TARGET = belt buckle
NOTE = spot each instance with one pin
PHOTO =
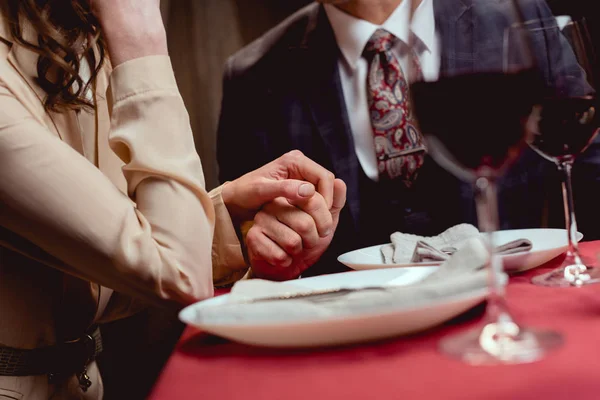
(84, 380)
(89, 347)
(89, 344)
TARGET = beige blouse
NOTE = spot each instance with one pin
(153, 239)
(112, 198)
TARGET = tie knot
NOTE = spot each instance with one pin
(380, 42)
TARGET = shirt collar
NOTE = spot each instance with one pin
(352, 34)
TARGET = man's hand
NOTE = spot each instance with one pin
(289, 236)
(292, 176)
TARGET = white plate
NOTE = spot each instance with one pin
(337, 331)
(546, 244)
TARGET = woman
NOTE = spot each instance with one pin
(100, 187)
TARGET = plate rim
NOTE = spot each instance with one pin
(434, 264)
(479, 293)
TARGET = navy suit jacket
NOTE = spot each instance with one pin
(283, 92)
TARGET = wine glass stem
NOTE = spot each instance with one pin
(487, 215)
(571, 222)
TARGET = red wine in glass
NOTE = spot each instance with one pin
(567, 124)
(476, 116)
(566, 127)
(481, 133)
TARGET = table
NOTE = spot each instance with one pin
(206, 367)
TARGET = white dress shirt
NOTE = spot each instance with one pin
(352, 35)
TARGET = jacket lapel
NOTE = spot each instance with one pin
(318, 56)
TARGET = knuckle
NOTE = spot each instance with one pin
(305, 225)
(311, 243)
(327, 221)
(316, 203)
(294, 244)
(288, 155)
(291, 157)
(279, 257)
(261, 190)
(325, 228)
(295, 154)
(252, 238)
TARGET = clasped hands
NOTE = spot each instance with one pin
(294, 205)
(293, 202)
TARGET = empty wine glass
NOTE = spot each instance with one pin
(566, 124)
(475, 113)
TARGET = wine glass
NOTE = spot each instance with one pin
(475, 113)
(566, 124)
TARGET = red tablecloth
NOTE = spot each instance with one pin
(206, 367)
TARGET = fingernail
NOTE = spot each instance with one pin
(306, 190)
(327, 232)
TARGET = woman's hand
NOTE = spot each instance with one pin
(292, 176)
(294, 204)
(132, 28)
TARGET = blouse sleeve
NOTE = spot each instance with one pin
(155, 243)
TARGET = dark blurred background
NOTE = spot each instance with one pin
(202, 34)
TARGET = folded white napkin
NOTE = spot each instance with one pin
(408, 248)
(259, 301)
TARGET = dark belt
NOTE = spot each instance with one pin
(58, 362)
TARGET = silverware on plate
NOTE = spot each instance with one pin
(315, 295)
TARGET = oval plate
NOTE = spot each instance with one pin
(361, 327)
(546, 244)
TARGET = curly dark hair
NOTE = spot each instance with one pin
(67, 33)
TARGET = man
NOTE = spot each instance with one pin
(305, 85)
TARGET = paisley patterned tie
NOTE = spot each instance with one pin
(399, 146)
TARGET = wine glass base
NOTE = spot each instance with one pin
(485, 346)
(568, 276)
